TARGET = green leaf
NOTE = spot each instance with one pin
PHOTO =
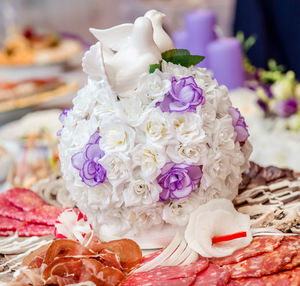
(153, 67)
(175, 53)
(181, 57)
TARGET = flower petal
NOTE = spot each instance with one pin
(78, 160)
(93, 152)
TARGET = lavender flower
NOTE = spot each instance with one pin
(178, 180)
(62, 118)
(239, 124)
(185, 95)
(286, 108)
(91, 172)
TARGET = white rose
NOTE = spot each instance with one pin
(208, 115)
(132, 110)
(219, 98)
(151, 159)
(118, 168)
(111, 224)
(140, 192)
(223, 134)
(190, 153)
(178, 212)
(86, 98)
(102, 197)
(145, 216)
(106, 103)
(175, 70)
(116, 136)
(156, 128)
(187, 127)
(216, 165)
(217, 218)
(152, 87)
(83, 130)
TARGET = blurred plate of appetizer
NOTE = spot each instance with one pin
(30, 48)
(17, 98)
(39, 127)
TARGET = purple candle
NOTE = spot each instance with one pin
(200, 25)
(179, 38)
(225, 59)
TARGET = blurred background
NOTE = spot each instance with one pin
(251, 46)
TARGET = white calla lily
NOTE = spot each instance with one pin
(217, 218)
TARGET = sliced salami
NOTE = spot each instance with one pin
(44, 214)
(246, 282)
(296, 259)
(151, 256)
(284, 278)
(291, 277)
(164, 273)
(263, 264)
(6, 232)
(259, 245)
(141, 281)
(213, 276)
(9, 210)
(9, 223)
(24, 199)
(35, 230)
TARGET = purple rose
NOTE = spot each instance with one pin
(239, 124)
(62, 118)
(185, 95)
(178, 180)
(286, 108)
(91, 172)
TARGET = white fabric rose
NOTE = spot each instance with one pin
(116, 136)
(156, 128)
(131, 110)
(190, 153)
(140, 192)
(145, 216)
(118, 168)
(151, 158)
(152, 87)
(187, 127)
(217, 218)
(177, 212)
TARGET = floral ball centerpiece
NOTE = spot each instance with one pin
(151, 136)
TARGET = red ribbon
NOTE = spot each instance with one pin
(228, 237)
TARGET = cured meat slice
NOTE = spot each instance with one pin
(109, 258)
(44, 214)
(111, 276)
(284, 278)
(247, 282)
(163, 273)
(258, 246)
(30, 229)
(151, 256)
(63, 266)
(6, 232)
(264, 264)
(127, 250)
(213, 276)
(291, 277)
(296, 259)
(9, 210)
(149, 282)
(65, 247)
(24, 199)
(9, 223)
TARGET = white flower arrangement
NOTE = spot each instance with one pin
(127, 150)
